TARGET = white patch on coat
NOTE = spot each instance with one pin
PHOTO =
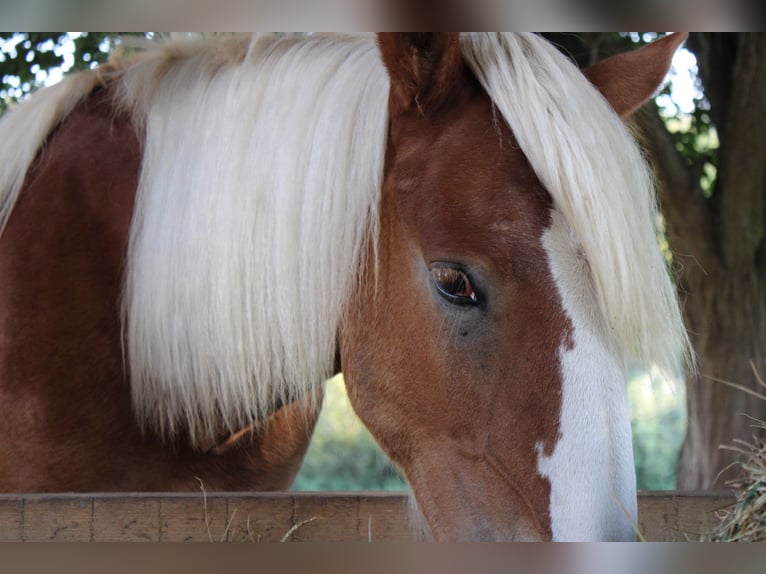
(591, 472)
(590, 163)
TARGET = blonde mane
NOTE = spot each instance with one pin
(590, 164)
(259, 189)
(258, 196)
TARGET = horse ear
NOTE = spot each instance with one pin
(628, 80)
(423, 67)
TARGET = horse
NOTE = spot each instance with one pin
(196, 235)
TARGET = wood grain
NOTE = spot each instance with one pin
(273, 517)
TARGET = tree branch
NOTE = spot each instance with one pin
(689, 222)
(715, 53)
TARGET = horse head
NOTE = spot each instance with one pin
(486, 350)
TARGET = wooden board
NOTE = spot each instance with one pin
(275, 517)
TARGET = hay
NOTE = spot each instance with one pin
(250, 535)
(745, 520)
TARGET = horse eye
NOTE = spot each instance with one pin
(454, 285)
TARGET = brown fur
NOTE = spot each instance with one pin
(461, 398)
(629, 79)
(457, 189)
(65, 415)
(426, 66)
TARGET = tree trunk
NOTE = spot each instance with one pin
(717, 242)
(725, 310)
(719, 251)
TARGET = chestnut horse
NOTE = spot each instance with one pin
(196, 237)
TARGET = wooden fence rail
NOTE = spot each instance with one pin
(274, 517)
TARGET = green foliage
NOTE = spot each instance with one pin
(28, 59)
(696, 139)
(692, 130)
(658, 418)
(694, 134)
(343, 455)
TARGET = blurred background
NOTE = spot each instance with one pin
(344, 456)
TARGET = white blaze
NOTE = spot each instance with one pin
(591, 470)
